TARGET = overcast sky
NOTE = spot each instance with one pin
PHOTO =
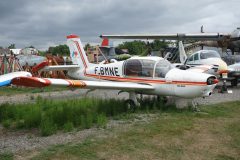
(45, 23)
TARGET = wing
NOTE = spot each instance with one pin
(177, 36)
(44, 82)
(6, 78)
(60, 67)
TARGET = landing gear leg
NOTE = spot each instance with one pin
(224, 86)
(132, 101)
(163, 99)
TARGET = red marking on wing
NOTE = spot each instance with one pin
(30, 82)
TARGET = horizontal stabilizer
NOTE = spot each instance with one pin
(60, 68)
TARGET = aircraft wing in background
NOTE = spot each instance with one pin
(177, 36)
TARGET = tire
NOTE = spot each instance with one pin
(131, 105)
(234, 82)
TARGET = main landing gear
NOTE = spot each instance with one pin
(135, 101)
(132, 102)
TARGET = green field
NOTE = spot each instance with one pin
(213, 133)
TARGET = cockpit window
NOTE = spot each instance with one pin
(196, 57)
(139, 67)
(162, 68)
(209, 54)
(190, 58)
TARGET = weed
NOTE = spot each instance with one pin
(6, 156)
(101, 120)
(47, 127)
(67, 127)
(7, 123)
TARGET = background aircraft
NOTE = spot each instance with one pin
(224, 40)
(5, 79)
(211, 57)
(144, 75)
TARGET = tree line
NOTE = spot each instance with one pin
(135, 47)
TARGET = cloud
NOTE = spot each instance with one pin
(40, 23)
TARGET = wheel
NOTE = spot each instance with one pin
(130, 105)
(162, 99)
(234, 82)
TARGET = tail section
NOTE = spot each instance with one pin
(77, 52)
(182, 53)
(105, 42)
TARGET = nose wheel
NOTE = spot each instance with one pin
(223, 87)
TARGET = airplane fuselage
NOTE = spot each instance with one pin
(176, 82)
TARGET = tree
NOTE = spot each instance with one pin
(59, 50)
(87, 46)
(31, 46)
(12, 46)
(42, 53)
(141, 48)
(156, 45)
(134, 47)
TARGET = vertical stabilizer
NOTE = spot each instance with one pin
(182, 53)
(77, 52)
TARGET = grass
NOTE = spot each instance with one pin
(6, 156)
(12, 90)
(49, 116)
(212, 133)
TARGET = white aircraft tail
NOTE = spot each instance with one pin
(77, 52)
(182, 53)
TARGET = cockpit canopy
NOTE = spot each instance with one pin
(146, 68)
(209, 54)
(204, 54)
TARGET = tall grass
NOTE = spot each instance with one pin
(52, 115)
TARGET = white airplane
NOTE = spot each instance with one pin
(210, 57)
(137, 75)
(6, 79)
(204, 57)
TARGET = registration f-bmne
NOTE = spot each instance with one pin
(137, 75)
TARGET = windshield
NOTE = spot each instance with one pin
(162, 67)
(139, 67)
(209, 54)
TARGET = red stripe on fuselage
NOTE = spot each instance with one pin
(142, 80)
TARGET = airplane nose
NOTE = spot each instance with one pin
(223, 68)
